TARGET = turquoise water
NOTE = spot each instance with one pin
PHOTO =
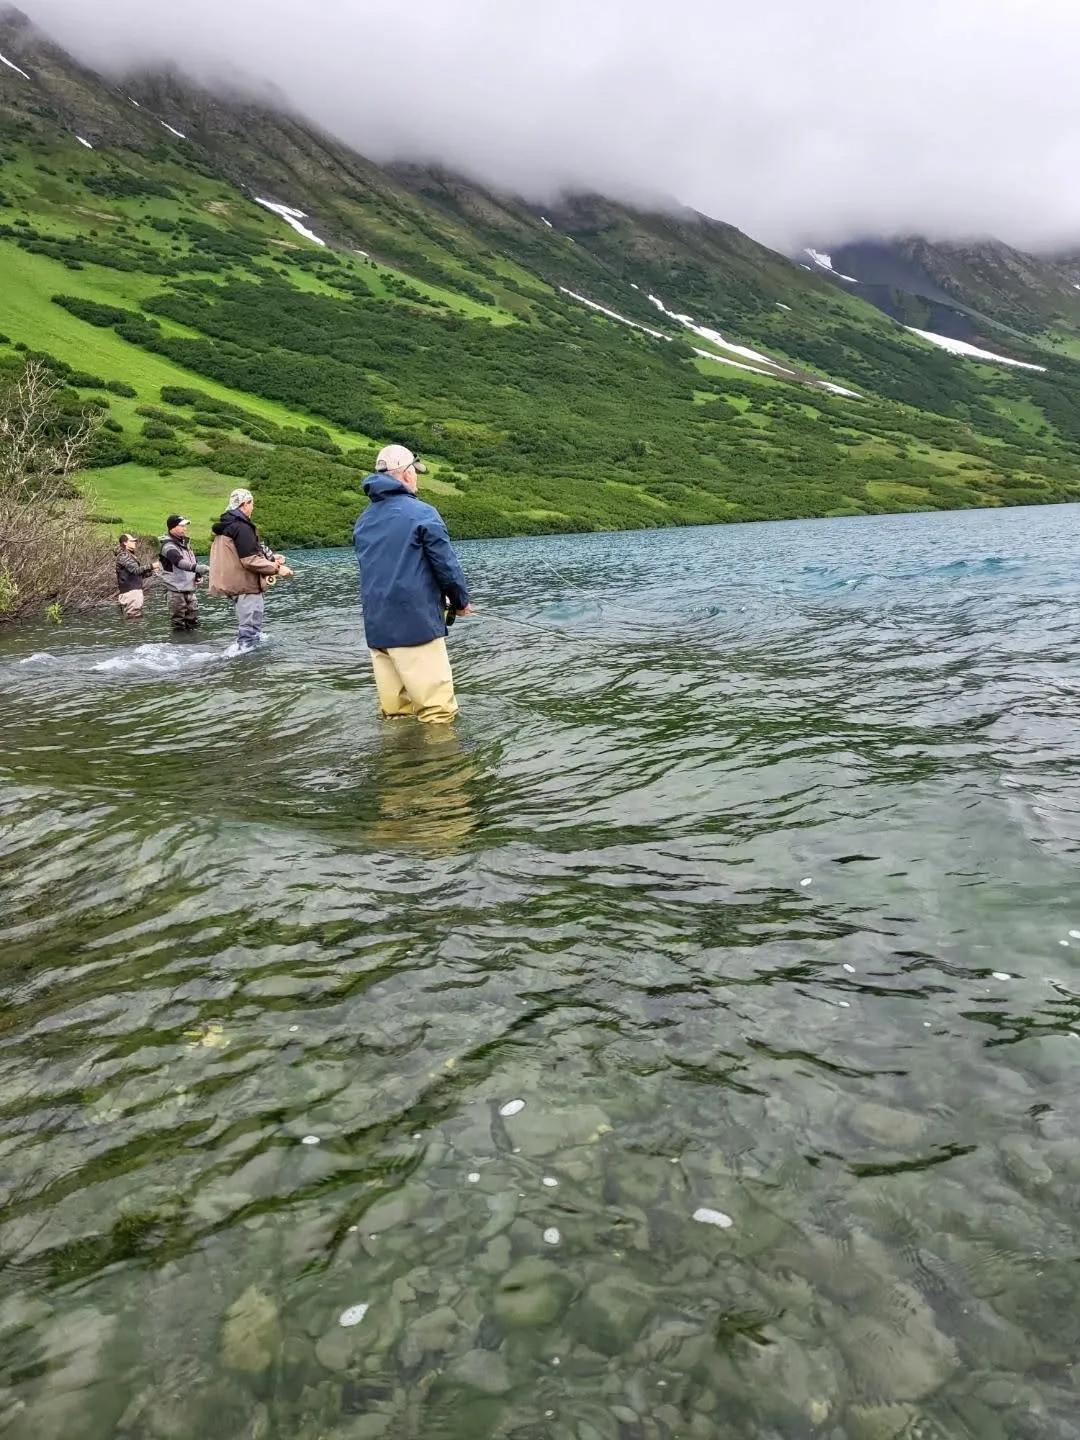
(746, 887)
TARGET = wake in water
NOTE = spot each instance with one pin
(165, 659)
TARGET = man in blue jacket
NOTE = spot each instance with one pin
(409, 578)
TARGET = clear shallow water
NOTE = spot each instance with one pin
(714, 875)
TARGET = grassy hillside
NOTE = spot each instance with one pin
(224, 347)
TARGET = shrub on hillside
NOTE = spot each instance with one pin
(120, 186)
(89, 310)
(48, 551)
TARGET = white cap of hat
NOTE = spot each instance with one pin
(398, 457)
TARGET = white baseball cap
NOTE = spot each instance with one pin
(398, 457)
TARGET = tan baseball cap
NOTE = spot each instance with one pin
(398, 457)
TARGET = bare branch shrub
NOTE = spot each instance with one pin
(50, 551)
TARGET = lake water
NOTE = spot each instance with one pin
(686, 1045)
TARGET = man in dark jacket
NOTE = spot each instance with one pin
(241, 566)
(130, 575)
(181, 574)
(409, 578)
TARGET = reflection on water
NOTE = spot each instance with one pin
(684, 1045)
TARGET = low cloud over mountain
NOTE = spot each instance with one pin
(791, 120)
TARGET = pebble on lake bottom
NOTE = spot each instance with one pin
(293, 1029)
(850, 969)
(844, 1004)
(806, 882)
(352, 1316)
(704, 1216)
(310, 1140)
(1001, 975)
(550, 1181)
(1074, 934)
(473, 1177)
(551, 1236)
(512, 1107)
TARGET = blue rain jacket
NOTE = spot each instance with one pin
(407, 567)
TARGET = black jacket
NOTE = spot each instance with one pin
(129, 573)
(240, 529)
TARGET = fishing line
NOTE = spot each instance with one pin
(565, 579)
(544, 629)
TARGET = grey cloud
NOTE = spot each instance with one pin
(790, 118)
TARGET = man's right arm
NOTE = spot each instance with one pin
(443, 560)
(251, 552)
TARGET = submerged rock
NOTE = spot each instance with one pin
(881, 1422)
(543, 1132)
(339, 1347)
(434, 1332)
(1023, 1163)
(611, 1315)
(706, 1216)
(534, 1292)
(250, 1335)
(73, 1347)
(496, 1257)
(901, 1357)
(482, 1370)
(886, 1126)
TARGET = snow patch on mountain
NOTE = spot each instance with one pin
(727, 360)
(715, 337)
(291, 217)
(547, 222)
(12, 66)
(84, 142)
(613, 314)
(823, 260)
(839, 390)
(178, 133)
(971, 352)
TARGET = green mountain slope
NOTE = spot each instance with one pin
(520, 351)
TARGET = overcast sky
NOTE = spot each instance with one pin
(794, 119)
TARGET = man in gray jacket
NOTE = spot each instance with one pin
(181, 574)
